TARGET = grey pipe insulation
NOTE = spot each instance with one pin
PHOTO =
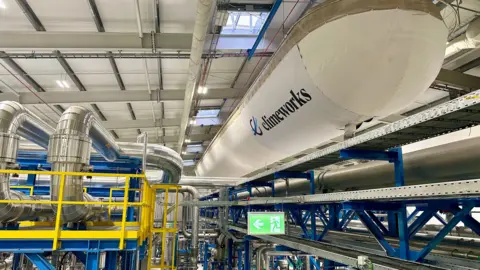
(450, 162)
(69, 151)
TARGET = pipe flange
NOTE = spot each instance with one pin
(69, 149)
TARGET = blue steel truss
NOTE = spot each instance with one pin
(337, 216)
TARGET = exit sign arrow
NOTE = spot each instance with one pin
(258, 224)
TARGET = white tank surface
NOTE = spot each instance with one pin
(344, 62)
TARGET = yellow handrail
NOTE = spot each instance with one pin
(144, 223)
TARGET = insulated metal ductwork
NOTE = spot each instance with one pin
(16, 121)
(202, 22)
(444, 163)
(69, 151)
(396, 39)
(158, 157)
(195, 217)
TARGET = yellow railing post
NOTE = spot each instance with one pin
(110, 206)
(151, 217)
(174, 246)
(124, 213)
(164, 229)
(58, 218)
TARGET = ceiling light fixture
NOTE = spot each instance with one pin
(202, 90)
(62, 84)
(192, 121)
(184, 153)
(188, 140)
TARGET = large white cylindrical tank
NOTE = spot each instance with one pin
(346, 61)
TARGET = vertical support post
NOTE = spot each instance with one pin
(402, 217)
(109, 206)
(269, 19)
(164, 229)
(230, 254)
(121, 244)
(239, 259)
(16, 263)
(151, 196)
(111, 260)
(93, 259)
(131, 198)
(58, 217)
(246, 255)
(175, 215)
(205, 255)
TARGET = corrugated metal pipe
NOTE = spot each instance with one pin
(69, 151)
(158, 158)
(202, 22)
(195, 196)
(16, 121)
(450, 162)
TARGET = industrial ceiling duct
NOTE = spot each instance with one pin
(158, 157)
(470, 40)
(344, 62)
(69, 151)
(17, 120)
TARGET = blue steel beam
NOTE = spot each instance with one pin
(39, 261)
(444, 231)
(370, 225)
(265, 26)
(377, 222)
(420, 222)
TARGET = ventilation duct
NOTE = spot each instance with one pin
(344, 62)
(16, 121)
(470, 40)
(69, 151)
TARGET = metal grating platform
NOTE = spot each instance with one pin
(457, 114)
(339, 254)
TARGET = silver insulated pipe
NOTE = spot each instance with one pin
(450, 162)
(16, 121)
(69, 151)
(157, 157)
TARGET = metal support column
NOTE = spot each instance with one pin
(111, 260)
(93, 261)
(246, 255)
(230, 254)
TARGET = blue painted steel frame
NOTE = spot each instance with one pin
(265, 26)
(398, 219)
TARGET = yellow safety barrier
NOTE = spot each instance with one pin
(144, 227)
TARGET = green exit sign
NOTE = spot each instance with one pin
(261, 223)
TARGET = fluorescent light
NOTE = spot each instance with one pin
(188, 140)
(184, 153)
(192, 121)
(62, 84)
(202, 90)
(2, 5)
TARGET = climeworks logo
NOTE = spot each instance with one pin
(297, 101)
(255, 128)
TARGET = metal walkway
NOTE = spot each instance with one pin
(339, 254)
(435, 191)
(447, 117)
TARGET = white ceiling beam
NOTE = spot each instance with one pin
(172, 139)
(64, 97)
(148, 123)
(93, 40)
(109, 41)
